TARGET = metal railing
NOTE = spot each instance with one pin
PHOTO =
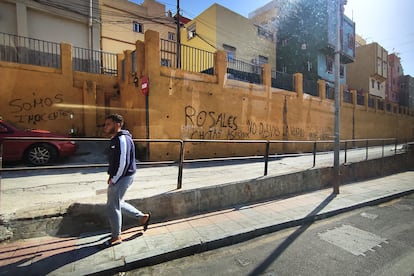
(346, 146)
(360, 99)
(192, 59)
(330, 92)
(94, 61)
(311, 87)
(244, 71)
(25, 50)
(282, 80)
(371, 102)
(348, 97)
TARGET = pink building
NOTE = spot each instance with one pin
(395, 71)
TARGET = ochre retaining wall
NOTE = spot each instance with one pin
(185, 105)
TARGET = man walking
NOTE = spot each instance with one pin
(121, 172)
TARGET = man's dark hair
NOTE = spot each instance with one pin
(116, 118)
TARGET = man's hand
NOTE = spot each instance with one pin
(110, 181)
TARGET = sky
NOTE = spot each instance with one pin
(387, 22)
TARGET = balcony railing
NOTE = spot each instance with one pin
(244, 71)
(282, 80)
(348, 97)
(25, 50)
(192, 59)
(94, 61)
(310, 87)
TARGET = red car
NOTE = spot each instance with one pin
(33, 152)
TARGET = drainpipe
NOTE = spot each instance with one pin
(90, 25)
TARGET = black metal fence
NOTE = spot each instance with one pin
(348, 97)
(330, 92)
(360, 99)
(371, 102)
(282, 80)
(25, 50)
(94, 61)
(191, 59)
(244, 71)
(310, 87)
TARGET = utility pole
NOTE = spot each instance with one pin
(337, 144)
(178, 61)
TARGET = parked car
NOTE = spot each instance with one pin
(33, 152)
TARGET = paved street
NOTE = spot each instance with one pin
(173, 239)
(376, 240)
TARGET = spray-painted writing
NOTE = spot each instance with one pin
(37, 109)
(19, 105)
(209, 119)
(264, 130)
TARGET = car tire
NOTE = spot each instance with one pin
(40, 154)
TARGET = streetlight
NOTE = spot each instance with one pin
(337, 145)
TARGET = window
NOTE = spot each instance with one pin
(378, 85)
(308, 65)
(284, 69)
(303, 46)
(351, 41)
(137, 27)
(263, 60)
(284, 42)
(165, 62)
(231, 52)
(372, 83)
(329, 64)
(342, 70)
(191, 32)
(171, 36)
(264, 33)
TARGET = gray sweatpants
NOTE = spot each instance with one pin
(115, 205)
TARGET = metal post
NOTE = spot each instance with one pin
(383, 145)
(147, 131)
(346, 151)
(266, 157)
(366, 150)
(396, 143)
(337, 96)
(180, 166)
(1, 165)
(314, 154)
(178, 36)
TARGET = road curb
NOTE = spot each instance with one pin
(134, 262)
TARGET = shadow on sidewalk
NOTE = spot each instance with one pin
(261, 268)
(42, 263)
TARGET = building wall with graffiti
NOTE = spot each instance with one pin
(186, 105)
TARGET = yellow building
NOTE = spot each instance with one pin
(124, 22)
(369, 72)
(218, 28)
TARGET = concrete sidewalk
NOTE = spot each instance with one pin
(173, 239)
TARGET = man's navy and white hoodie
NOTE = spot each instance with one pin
(121, 156)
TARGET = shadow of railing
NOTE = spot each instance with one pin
(307, 222)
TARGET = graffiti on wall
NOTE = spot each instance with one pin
(35, 109)
(211, 125)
